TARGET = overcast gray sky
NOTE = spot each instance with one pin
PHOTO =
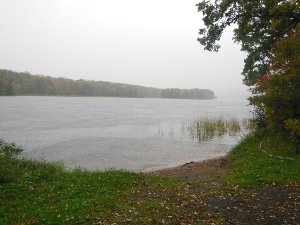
(150, 43)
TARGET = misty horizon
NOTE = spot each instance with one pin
(119, 43)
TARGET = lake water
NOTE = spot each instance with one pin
(120, 133)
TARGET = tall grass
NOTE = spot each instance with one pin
(208, 128)
(233, 126)
(248, 124)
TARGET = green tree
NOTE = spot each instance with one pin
(278, 92)
(269, 32)
(260, 24)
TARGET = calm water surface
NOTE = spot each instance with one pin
(121, 133)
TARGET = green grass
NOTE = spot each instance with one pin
(44, 193)
(248, 165)
(47, 194)
(33, 192)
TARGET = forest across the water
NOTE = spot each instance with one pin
(15, 83)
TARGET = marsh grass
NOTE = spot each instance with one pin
(233, 126)
(248, 124)
(205, 129)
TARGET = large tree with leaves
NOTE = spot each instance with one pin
(260, 24)
(269, 32)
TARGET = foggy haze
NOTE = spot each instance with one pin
(150, 43)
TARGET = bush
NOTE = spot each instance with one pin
(8, 154)
(9, 150)
(259, 119)
(293, 126)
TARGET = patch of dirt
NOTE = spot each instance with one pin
(204, 171)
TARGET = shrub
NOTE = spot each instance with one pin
(259, 119)
(8, 154)
(293, 126)
(9, 150)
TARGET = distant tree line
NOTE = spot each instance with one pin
(13, 83)
(187, 93)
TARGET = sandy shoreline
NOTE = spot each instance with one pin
(205, 170)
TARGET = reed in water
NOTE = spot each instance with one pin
(209, 128)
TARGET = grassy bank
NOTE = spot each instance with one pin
(42, 193)
(34, 192)
(249, 165)
(46, 194)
